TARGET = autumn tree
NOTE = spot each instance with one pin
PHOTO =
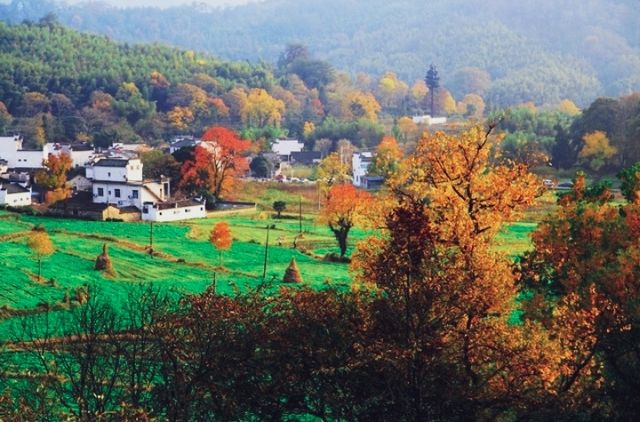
(407, 129)
(568, 107)
(471, 106)
(386, 160)
(596, 150)
(261, 109)
(446, 296)
(344, 210)
(391, 91)
(54, 176)
(220, 237)
(358, 105)
(332, 171)
(41, 245)
(217, 162)
(581, 282)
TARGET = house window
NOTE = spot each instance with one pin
(187, 210)
(109, 174)
(134, 194)
(117, 193)
(100, 192)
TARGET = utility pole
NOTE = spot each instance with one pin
(266, 255)
(300, 212)
(151, 238)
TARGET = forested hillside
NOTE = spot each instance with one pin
(541, 51)
(59, 85)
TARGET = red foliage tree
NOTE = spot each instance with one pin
(220, 237)
(217, 162)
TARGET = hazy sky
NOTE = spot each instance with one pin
(167, 3)
(160, 3)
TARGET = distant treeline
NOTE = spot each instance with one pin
(543, 51)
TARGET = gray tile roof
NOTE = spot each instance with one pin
(112, 162)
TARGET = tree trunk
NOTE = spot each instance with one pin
(341, 234)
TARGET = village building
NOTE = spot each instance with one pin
(79, 183)
(180, 142)
(285, 147)
(119, 182)
(16, 156)
(428, 120)
(360, 162)
(14, 195)
(306, 158)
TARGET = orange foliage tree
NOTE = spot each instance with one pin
(216, 163)
(54, 176)
(582, 281)
(220, 237)
(344, 209)
(446, 297)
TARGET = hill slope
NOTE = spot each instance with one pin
(540, 50)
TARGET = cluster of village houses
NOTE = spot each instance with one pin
(109, 184)
(106, 185)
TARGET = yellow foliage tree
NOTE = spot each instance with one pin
(568, 107)
(180, 117)
(261, 109)
(358, 105)
(332, 171)
(471, 105)
(419, 91)
(386, 160)
(445, 102)
(408, 129)
(309, 128)
(391, 90)
(596, 150)
(41, 245)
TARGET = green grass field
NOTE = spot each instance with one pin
(184, 260)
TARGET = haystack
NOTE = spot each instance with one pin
(292, 274)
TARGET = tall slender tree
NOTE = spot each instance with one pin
(433, 83)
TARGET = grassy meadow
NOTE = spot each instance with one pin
(183, 259)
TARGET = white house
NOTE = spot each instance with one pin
(173, 211)
(80, 154)
(119, 181)
(428, 120)
(360, 164)
(284, 147)
(14, 195)
(12, 151)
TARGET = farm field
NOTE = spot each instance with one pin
(184, 260)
